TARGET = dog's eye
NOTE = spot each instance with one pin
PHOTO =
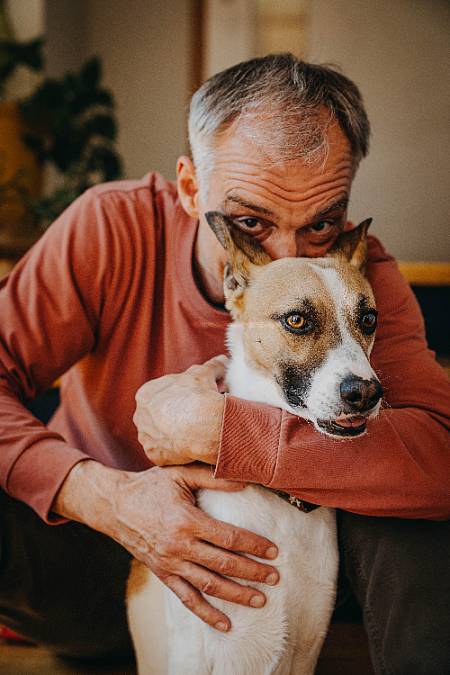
(369, 322)
(297, 323)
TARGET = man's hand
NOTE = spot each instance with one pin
(179, 417)
(153, 515)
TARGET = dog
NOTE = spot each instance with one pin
(301, 337)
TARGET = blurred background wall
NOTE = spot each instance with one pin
(155, 52)
(399, 55)
(146, 50)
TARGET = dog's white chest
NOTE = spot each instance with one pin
(297, 612)
(284, 637)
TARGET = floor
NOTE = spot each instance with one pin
(345, 653)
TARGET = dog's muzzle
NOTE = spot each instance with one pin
(360, 396)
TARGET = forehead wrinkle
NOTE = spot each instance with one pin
(341, 172)
(330, 195)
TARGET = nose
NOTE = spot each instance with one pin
(282, 246)
(360, 395)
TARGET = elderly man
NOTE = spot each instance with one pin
(126, 287)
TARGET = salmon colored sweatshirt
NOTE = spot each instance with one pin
(107, 300)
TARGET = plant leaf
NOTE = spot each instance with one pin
(91, 73)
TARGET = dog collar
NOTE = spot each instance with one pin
(300, 504)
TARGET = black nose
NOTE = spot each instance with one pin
(360, 395)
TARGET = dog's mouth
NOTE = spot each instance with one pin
(344, 425)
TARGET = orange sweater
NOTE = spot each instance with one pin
(108, 298)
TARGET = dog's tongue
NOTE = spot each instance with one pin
(353, 421)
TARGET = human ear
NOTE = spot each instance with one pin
(187, 186)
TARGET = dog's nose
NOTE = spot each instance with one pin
(359, 394)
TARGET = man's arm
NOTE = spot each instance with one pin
(399, 468)
(153, 515)
(51, 315)
(49, 306)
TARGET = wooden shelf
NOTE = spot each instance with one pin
(426, 273)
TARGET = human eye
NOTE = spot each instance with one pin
(249, 223)
(323, 227)
(255, 227)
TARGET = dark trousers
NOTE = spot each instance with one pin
(64, 586)
(399, 571)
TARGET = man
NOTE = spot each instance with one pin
(127, 287)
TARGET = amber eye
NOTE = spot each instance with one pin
(369, 322)
(296, 323)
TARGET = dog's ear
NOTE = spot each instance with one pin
(353, 245)
(244, 253)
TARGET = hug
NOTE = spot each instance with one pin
(248, 403)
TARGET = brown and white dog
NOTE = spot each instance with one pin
(301, 338)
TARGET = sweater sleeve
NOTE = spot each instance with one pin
(400, 467)
(49, 309)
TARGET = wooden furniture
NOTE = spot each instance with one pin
(430, 282)
(426, 273)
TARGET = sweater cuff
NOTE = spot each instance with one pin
(249, 441)
(38, 473)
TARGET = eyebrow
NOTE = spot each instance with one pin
(233, 198)
(341, 203)
(236, 199)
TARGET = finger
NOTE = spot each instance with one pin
(233, 538)
(218, 587)
(163, 457)
(212, 370)
(230, 564)
(193, 600)
(198, 476)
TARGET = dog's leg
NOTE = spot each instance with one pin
(186, 635)
(147, 620)
(311, 635)
(303, 662)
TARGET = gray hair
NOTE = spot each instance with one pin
(278, 101)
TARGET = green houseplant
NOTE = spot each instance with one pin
(66, 123)
(71, 126)
(20, 172)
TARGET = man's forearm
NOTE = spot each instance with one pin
(399, 468)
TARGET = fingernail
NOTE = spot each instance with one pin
(257, 601)
(221, 626)
(272, 579)
(271, 552)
